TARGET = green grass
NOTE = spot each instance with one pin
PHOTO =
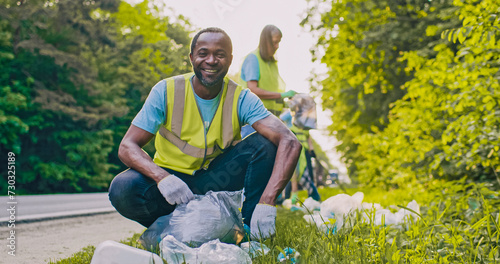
(460, 224)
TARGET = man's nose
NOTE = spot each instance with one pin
(211, 59)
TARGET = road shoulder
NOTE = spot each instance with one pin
(39, 242)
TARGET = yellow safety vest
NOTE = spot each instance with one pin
(183, 143)
(302, 137)
(270, 80)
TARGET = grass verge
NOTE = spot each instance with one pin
(460, 224)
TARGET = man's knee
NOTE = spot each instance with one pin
(122, 187)
(260, 143)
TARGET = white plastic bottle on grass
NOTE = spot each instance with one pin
(111, 252)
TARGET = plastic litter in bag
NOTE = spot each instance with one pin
(214, 215)
(291, 255)
(212, 252)
(254, 248)
(304, 109)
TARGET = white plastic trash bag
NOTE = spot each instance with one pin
(287, 204)
(336, 209)
(215, 215)
(324, 224)
(369, 206)
(212, 252)
(341, 206)
(310, 205)
(399, 217)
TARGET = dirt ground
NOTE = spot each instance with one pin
(40, 242)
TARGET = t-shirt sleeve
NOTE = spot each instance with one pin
(152, 113)
(250, 69)
(250, 108)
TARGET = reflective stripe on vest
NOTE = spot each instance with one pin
(269, 80)
(182, 149)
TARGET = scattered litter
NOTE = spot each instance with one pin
(290, 254)
(287, 204)
(369, 206)
(212, 252)
(254, 248)
(341, 206)
(297, 208)
(214, 215)
(397, 218)
(311, 205)
(308, 206)
(111, 252)
(246, 238)
(325, 224)
(337, 209)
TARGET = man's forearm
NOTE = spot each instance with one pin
(135, 158)
(262, 93)
(287, 156)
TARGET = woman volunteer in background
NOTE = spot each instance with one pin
(259, 73)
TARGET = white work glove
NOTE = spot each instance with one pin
(263, 224)
(175, 190)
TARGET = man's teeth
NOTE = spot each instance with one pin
(212, 71)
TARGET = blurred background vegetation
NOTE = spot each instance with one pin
(74, 74)
(413, 85)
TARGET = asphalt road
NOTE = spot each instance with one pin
(30, 208)
(39, 242)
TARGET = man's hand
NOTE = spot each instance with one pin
(288, 94)
(263, 224)
(175, 190)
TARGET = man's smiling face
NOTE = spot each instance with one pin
(211, 58)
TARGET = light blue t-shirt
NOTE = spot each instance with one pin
(250, 70)
(152, 114)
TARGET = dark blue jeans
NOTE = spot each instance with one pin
(248, 164)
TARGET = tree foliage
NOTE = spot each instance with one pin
(413, 86)
(73, 76)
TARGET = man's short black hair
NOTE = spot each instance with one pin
(208, 30)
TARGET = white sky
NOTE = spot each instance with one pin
(243, 20)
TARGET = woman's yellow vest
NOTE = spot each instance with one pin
(183, 143)
(302, 137)
(270, 80)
